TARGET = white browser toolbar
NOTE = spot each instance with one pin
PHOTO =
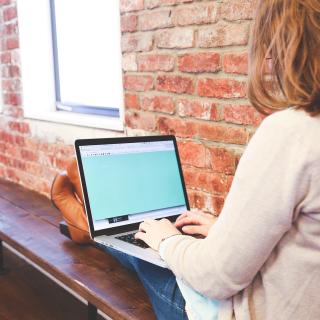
(125, 148)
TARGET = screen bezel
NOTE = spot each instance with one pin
(101, 141)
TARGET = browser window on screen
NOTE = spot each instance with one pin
(129, 181)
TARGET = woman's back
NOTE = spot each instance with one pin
(288, 283)
(262, 255)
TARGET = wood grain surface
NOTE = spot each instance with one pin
(29, 223)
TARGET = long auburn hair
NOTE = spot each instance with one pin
(288, 33)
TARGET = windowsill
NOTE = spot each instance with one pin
(83, 120)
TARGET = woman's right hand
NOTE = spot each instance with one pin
(195, 222)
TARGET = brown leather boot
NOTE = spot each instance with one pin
(66, 195)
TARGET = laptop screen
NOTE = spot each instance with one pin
(128, 182)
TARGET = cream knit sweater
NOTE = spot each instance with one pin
(262, 256)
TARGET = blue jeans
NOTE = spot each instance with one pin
(160, 284)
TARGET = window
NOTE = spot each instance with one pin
(71, 61)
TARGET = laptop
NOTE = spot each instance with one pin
(125, 181)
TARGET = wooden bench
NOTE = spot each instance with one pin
(29, 224)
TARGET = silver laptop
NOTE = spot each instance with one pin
(125, 181)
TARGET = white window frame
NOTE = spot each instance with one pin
(37, 71)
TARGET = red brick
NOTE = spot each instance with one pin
(175, 84)
(2, 146)
(12, 43)
(32, 143)
(9, 13)
(236, 63)
(158, 103)
(140, 120)
(237, 10)
(12, 175)
(129, 62)
(12, 151)
(177, 127)
(242, 114)
(197, 109)
(199, 62)
(155, 62)
(138, 83)
(13, 111)
(197, 199)
(229, 182)
(12, 99)
(221, 160)
(15, 57)
(175, 38)
(41, 170)
(151, 4)
(63, 150)
(8, 137)
(5, 71)
(6, 57)
(12, 139)
(215, 113)
(214, 183)
(10, 29)
(15, 163)
(221, 133)
(132, 101)
(47, 148)
(14, 71)
(205, 201)
(9, 71)
(217, 204)
(224, 34)
(192, 153)
(129, 23)
(221, 88)
(131, 5)
(4, 160)
(155, 20)
(136, 42)
(195, 14)
(48, 160)
(18, 164)
(19, 140)
(29, 155)
(20, 127)
(11, 85)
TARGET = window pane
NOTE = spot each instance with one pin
(89, 52)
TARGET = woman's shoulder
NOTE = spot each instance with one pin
(292, 122)
(293, 127)
(293, 119)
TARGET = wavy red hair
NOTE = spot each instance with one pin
(288, 33)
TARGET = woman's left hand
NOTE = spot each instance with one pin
(152, 232)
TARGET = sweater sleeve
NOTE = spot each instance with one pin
(270, 181)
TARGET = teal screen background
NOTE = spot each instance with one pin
(131, 183)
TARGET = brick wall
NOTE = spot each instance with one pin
(185, 67)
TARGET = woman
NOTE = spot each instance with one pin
(261, 258)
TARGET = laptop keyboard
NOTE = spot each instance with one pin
(131, 239)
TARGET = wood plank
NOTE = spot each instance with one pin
(28, 294)
(31, 201)
(93, 274)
